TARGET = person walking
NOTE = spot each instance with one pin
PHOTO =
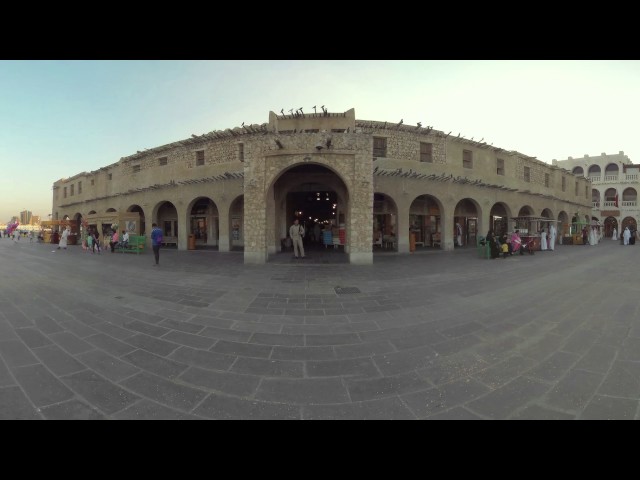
(156, 241)
(614, 235)
(64, 238)
(552, 237)
(114, 240)
(296, 232)
(543, 240)
(626, 235)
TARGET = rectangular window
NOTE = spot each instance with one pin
(93, 182)
(380, 147)
(162, 161)
(241, 152)
(71, 189)
(467, 159)
(200, 157)
(564, 184)
(546, 179)
(577, 189)
(527, 174)
(337, 130)
(311, 130)
(79, 188)
(426, 152)
(136, 168)
(64, 193)
(586, 191)
(500, 166)
(111, 176)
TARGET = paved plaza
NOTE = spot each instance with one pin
(430, 335)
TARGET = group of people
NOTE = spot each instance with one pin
(507, 245)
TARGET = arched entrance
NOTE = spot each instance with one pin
(609, 224)
(465, 223)
(564, 227)
(236, 224)
(315, 195)
(424, 222)
(138, 209)
(167, 216)
(499, 219)
(629, 222)
(385, 225)
(204, 223)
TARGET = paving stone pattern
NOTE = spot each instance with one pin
(430, 335)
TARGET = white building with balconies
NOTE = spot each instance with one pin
(615, 182)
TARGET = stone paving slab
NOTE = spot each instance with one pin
(419, 336)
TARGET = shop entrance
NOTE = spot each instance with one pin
(318, 198)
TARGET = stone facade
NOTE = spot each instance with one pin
(611, 176)
(232, 189)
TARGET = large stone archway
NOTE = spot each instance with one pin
(310, 193)
(267, 182)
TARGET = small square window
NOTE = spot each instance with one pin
(379, 147)
(426, 152)
(467, 159)
(136, 168)
(79, 188)
(546, 179)
(527, 174)
(93, 182)
(241, 152)
(200, 157)
(162, 161)
(71, 189)
(564, 184)
(64, 193)
(500, 166)
(111, 176)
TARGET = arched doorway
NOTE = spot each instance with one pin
(629, 197)
(236, 224)
(167, 216)
(609, 224)
(564, 227)
(465, 223)
(204, 223)
(315, 195)
(629, 222)
(424, 222)
(138, 209)
(499, 219)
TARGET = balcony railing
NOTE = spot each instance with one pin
(631, 177)
(595, 204)
(629, 203)
(594, 178)
(608, 203)
(611, 178)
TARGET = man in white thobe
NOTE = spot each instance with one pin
(296, 232)
(552, 236)
(626, 235)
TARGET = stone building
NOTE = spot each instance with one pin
(614, 193)
(375, 182)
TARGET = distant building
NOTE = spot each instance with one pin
(376, 182)
(25, 217)
(35, 219)
(615, 184)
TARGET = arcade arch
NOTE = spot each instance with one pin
(204, 222)
(314, 194)
(425, 221)
(466, 215)
(167, 219)
(499, 218)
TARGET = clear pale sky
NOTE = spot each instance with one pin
(61, 118)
